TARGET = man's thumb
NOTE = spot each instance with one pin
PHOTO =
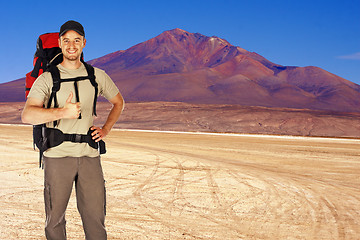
(70, 97)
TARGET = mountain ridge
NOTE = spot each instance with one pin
(178, 66)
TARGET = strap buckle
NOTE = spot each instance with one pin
(76, 138)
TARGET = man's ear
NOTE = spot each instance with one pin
(84, 42)
(59, 42)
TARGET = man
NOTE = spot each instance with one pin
(73, 161)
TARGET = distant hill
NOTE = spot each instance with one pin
(178, 66)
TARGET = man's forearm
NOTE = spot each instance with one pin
(38, 115)
(118, 106)
(34, 113)
(113, 116)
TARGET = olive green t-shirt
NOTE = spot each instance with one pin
(41, 90)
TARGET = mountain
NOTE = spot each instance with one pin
(13, 91)
(178, 66)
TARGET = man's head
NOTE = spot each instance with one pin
(72, 40)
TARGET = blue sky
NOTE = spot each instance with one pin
(302, 33)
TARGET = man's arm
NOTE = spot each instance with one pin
(118, 106)
(34, 113)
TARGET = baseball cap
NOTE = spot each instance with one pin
(72, 25)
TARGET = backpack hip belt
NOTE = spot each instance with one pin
(52, 137)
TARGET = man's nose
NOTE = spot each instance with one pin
(71, 44)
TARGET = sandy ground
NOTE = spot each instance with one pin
(198, 186)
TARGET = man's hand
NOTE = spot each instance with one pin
(71, 110)
(98, 133)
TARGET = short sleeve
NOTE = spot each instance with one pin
(107, 87)
(41, 87)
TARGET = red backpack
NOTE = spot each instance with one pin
(47, 48)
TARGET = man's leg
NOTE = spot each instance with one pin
(90, 194)
(59, 174)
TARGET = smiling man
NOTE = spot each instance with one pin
(77, 158)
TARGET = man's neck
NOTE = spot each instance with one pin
(71, 64)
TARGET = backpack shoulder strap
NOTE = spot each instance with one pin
(91, 74)
(55, 75)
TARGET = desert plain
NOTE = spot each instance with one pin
(173, 185)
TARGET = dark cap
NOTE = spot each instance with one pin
(72, 25)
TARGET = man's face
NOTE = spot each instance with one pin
(72, 44)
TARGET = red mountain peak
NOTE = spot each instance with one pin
(177, 31)
(190, 67)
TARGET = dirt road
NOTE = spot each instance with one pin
(196, 186)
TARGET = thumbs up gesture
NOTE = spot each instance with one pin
(71, 110)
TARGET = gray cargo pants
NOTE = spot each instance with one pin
(59, 176)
